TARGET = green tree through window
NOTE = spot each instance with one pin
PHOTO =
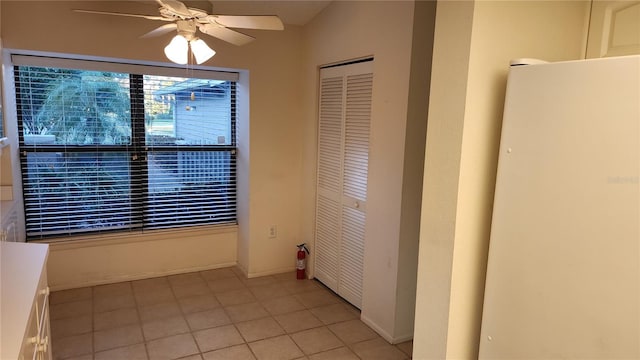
(86, 108)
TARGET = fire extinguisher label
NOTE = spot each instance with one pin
(300, 264)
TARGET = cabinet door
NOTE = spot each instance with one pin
(29, 343)
(614, 29)
(343, 157)
(44, 345)
(44, 327)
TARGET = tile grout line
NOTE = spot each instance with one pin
(287, 290)
(184, 316)
(135, 301)
(93, 317)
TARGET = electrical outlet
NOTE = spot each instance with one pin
(273, 231)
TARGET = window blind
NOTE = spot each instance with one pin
(108, 151)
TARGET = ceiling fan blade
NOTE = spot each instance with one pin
(149, 17)
(262, 22)
(228, 35)
(160, 30)
(176, 6)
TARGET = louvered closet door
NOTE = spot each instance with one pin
(343, 155)
(330, 134)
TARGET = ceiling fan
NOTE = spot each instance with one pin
(186, 21)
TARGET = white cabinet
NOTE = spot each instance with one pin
(614, 29)
(343, 157)
(24, 305)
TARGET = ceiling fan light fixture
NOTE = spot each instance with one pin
(187, 21)
(201, 51)
(178, 50)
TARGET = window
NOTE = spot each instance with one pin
(104, 149)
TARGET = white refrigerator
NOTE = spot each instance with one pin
(563, 276)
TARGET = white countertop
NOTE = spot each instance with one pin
(21, 266)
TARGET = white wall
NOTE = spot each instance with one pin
(441, 169)
(348, 30)
(125, 257)
(269, 130)
(474, 42)
(418, 106)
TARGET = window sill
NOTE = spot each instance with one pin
(136, 236)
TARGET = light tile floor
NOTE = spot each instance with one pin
(210, 315)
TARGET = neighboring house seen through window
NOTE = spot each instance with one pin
(107, 150)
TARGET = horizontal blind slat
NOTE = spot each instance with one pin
(90, 164)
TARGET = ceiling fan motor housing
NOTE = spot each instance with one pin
(193, 14)
(186, 28)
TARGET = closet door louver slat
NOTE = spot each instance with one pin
(352, 255)
(356, 149)
(330, 135)
(327, 244)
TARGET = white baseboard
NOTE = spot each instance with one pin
(133, 277)
(270, 272)
(385, 335)
(242, 270)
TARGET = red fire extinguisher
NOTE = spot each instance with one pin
(301, 264)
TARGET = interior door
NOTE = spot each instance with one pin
(343, 156)
(614, 29)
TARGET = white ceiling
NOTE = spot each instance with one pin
(294, 12)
